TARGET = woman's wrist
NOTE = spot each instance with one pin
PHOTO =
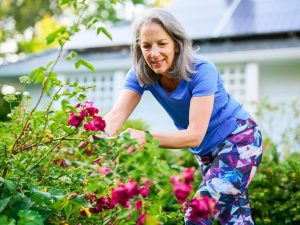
(108, 134)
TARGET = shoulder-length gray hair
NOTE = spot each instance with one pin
(184, 59)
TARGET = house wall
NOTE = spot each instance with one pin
(280, 82)
(280, 85)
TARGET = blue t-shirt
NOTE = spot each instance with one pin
(206, 81)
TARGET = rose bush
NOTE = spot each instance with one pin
(57, 182)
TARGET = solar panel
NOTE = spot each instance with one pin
(263, 16)
(199, 17)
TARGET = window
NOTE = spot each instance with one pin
(242, 82)
(107, 87)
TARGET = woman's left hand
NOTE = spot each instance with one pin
(139, 135)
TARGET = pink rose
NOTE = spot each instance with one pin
(104, 171)
(132, 189)
(180, 190)
(144, 192)
(74, 119)
(203, 207)
(188, 175)
(138, 204)
(141, 219)
(73, 195)
(120, 195)
(97, 124)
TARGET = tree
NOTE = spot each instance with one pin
(25, 20)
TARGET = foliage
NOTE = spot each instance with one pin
(281, 122)
(23, 14)
(18, 19)
(275, 190)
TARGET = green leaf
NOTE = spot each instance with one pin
(3, 203)
(103, 30)
(65, 104)
(29, 217)
(123, 214)
(90, 24)
(38, 75)
(62, 2)
(68, 210)
(39, 196)
(4, 220)
(60, 204)
(52, 36)
(82, 62)
(72, 55)
(49, 64)
(74, 29)
(75, 6)
(81, 97)
(61, 42)
(150, 220)
(9, 185)
(52, 81)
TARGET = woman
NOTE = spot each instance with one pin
(222, 135)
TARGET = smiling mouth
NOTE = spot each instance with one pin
(157, 63)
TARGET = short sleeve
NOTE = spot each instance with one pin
(205, 81)
(131, 82)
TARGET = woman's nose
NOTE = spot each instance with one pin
(154, 52)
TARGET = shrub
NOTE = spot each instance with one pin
(275, 190)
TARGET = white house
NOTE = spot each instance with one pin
(255, 44)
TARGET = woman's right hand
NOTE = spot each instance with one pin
(92, 138)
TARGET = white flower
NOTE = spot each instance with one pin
(26, 93)
(24, 80)
(65, 179)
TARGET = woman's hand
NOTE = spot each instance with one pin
(139, 135)
(94, 137)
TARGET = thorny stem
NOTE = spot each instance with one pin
(41, 136)
(43, 89)
(40, 97)
(38, 102)
(47, 114)
(53, 140)
(38, 162)
(41, 159)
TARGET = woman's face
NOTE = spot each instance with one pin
(158, 48)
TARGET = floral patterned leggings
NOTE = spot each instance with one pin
(227, 172)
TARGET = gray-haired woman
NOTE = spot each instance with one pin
(214, 126)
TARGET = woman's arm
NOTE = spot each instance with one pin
(200, 113)
(126, 103)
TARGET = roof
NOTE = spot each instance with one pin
(213, 19)
(104, 61)
(226, 18)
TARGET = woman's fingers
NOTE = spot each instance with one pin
(92, 138)
(139, 136)
(131, 149)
